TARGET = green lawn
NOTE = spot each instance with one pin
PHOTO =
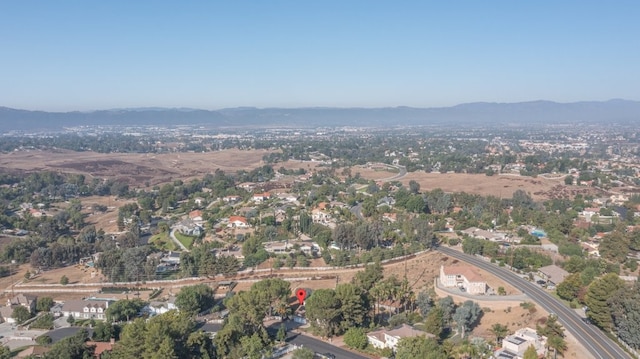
(186, 241)
(162, 242)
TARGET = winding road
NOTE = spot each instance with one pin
(596, 342)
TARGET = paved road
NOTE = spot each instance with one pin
(357, 210)
(307, 341)
(598, 344)
(176, 241)
(402, 172)
(321, 347)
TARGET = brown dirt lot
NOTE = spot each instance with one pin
(134, 168)
(502, 186)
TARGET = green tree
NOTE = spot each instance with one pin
(466, 316)
(353, 305)
(5, 352)
(282, 333)
(558, 344)
(43, 340)
(102, 332)
(195, 299)
(419, 347)
(44, 304)
(21, 314)
(625, 312)
(303, 353)
(323, 311)
(124, 309)
(570, 287)
(64, 280)
(73, 347)
(367, 278)
(500, 331)
(434, 323)
(530, 353)
(70, 319)
(355, 338)
(597, 296)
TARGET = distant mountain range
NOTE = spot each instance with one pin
(481, 113)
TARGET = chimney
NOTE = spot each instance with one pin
(112, 341)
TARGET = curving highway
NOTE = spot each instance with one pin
(596, 342)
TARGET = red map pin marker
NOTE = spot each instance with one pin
(301, 294)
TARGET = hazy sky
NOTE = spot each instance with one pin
(80, 55)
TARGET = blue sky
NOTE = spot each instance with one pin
(82, 55)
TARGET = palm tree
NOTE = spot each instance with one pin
(500, 331)
(558, 344)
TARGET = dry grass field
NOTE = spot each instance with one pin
(137, 169)
(502, 186)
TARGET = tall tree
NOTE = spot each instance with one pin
(467, 316)
(195, 299)
(500, 331)
(625, 312)
(323, 311)
(597, 296)
(419, 347)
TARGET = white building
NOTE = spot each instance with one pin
(384, 338)
(85, 309)
(514, 346)
(463, 276)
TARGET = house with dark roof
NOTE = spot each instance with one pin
(26, 300)
(86, 309)
(553, 274)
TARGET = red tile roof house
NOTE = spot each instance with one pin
(238, 222)
(101, 347)
(196, 215)
(259, 197)
(463, 276)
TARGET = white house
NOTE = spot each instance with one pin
(388, 338)
(85, 309)
(238, 222)
(157, 307)
(463, 276)
(514, 346)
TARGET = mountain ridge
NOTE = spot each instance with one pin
(474, 113)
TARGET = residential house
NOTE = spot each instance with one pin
(484, 234)
(514, 346)
(198, 201)
(587, 213)
(189, 227)
(389, 338)
(158, 307)
(26, 300)
(463, 276)
(553, 274)
(238, 222)
(231, 199)
(247, 186)
(391, 217)
(261, 197)
(86, 309)
(321, 214)
(195, 215)
(280, 247)
(6, 314)
(36, 351)
(101, 347)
